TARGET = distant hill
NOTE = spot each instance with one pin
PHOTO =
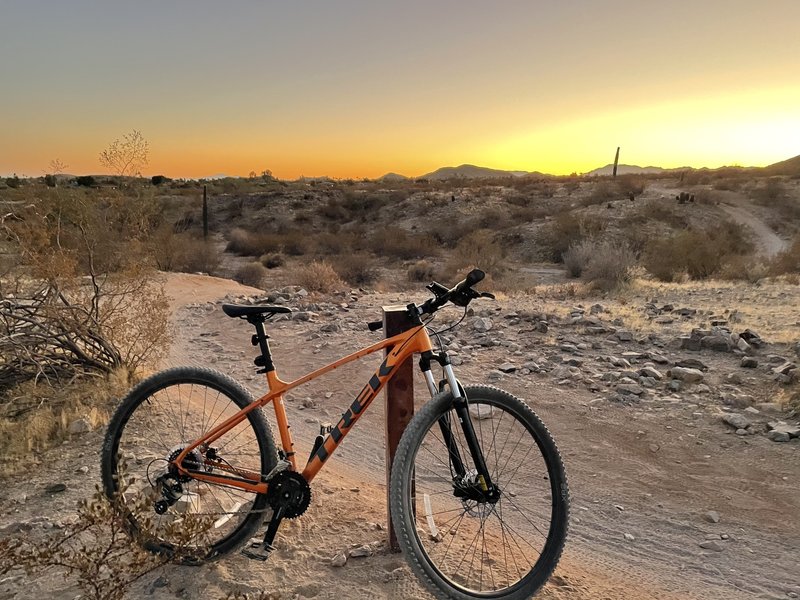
(627, 170)
(392, 177)
(789, 167)
(470, 172)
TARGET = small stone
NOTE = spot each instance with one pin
(712, 516)
(339, 560)
(482, 324)
(748, 362)
(651, 372)
(736, 421)
(84, 469)
(360, 552)
(55, 488)
(778, 436)
(629, 537)
(507, 367)
(711, 545)
(686, 375)
(78, 426)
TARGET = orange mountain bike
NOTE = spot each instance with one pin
(478, 494)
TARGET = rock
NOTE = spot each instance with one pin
(55, 488)
(778, 436)
(541, 327)
(712, 516)
(596, 309)
(743, 346)
(752, 338)
(658, 358)
(674, 385)
(339, 560)
(360, 552)
(507, 367)
(736, 421)
(623, 335)
(629, 537)
(334, 327)
(482, 324)
(690, 343)
(785, 369)
(81, 425)
(692, 363)
(686, 375)
(733, 378)
(718, 342)
(651, 372)
(792, 431)
(711, 545)
(630, 388)
(748, 362)
(619, 362)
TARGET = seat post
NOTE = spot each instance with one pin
(262, 339)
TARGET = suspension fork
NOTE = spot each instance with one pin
(460, 403)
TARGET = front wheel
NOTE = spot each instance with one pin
(463, 545)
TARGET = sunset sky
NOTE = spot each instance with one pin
(358, 88)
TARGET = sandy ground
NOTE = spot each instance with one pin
(651, 471)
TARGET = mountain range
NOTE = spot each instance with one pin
(790, 167)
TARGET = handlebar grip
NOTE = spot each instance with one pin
(375, 325)
(474, 276)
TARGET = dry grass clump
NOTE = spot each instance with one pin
(183, 252)
(602, 263)
(356, 269)
(35, 416)
(478, 249)
(422, 270)
(319, 276)
(273, 261)
(251, 274)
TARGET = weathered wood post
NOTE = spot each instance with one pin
(205, 214)
(399, 394)
(616, 160)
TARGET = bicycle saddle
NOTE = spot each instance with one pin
(243, 311)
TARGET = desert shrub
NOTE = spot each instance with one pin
(421, 270)
(273, 261)
(159, 179)
(743, 268)
(630, 184)
(85, 181)
(566, 229)
(251, 274)
(98, 550)
(318, 276)
(356, 269)
(50, 180)
(666, 212)
(13, 182)
(577, 257)
(707, 197)
(609, 265)
(397, 243)
(247, 243)
(697, 253)
(788, 261)
(81, 301)
(478, 249)
(601, 192)
(198, 256)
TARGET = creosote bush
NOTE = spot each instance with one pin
(252, 274)
(603, 263)
(319, 276)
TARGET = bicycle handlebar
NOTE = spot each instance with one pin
(460, 294)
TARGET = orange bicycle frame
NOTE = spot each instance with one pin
(400, 347)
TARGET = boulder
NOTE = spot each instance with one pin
(736, 421)
(686, 375)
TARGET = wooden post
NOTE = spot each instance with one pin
(205, 214)
(616, 160)
(399, 394)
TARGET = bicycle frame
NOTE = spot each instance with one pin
(400, 347)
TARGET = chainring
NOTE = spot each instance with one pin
(289, 490)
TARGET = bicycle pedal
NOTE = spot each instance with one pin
(259, 553)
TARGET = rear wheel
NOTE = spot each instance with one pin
(159, 418)
(459, 544)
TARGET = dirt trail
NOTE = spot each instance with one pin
(739, 208)
(651, 471)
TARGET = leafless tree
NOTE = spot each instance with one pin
(57, 167)
(126, 157)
